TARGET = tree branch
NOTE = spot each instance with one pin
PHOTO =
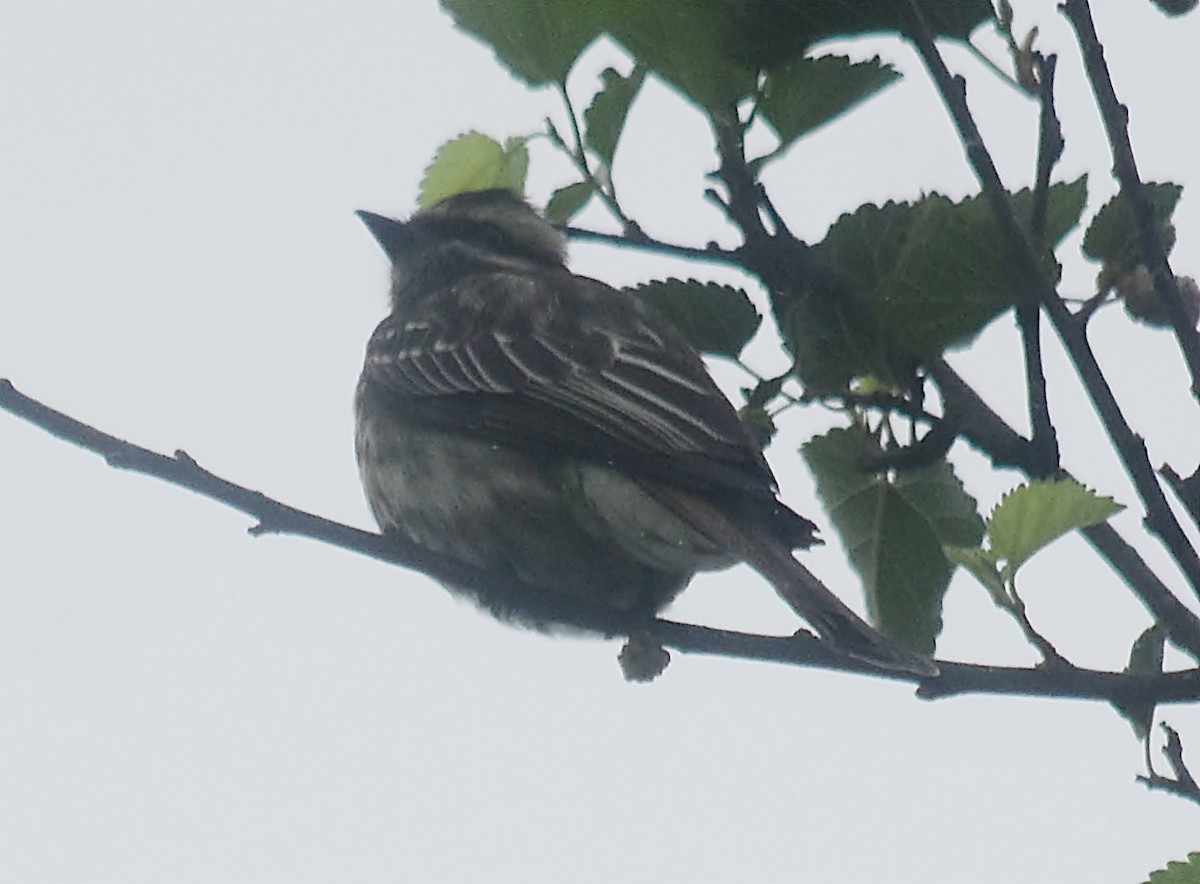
(801, 649)
(1050, 147)
(953, 679)
(640, 240)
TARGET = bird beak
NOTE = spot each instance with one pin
(393, 235)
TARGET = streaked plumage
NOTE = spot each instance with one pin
(554, 431)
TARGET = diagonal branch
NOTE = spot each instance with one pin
(953, 679)
(273, 517)
(1050, 148)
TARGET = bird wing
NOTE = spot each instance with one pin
(553, 362)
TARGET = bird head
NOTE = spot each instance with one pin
(496, 225)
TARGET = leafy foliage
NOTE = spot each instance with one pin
(687, 44)
(1031, 517)
(716, 319)
(907, 281)
(894, 530)
(566, 202)
(1112, 237)
(1145, 657)
(712, 52)
(806, 93)
(605, 116)
(772, 32)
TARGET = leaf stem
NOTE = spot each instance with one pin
(578, 155)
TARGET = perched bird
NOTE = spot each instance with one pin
(563, 439)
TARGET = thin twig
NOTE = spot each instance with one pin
(1050, 654)
(1183, 784)
(712, 252)
(578, 155)
(880, 401)
(1004, 76)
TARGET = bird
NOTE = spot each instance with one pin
(560, 438)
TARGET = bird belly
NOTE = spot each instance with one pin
(517, 516)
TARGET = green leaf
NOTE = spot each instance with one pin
(772, 32)
(1178, 872)
(537, 40)
(712, 51)
(1112, 237)
(759, 422)
(685, 42)
(938, 493)
(908, 281)
(716, 319)
(1146, 658)
(566, 202)
(474, 162)
(1035, 515)
(894, 532)
(604, 119)
(809, 92)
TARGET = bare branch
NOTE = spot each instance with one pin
(1050, 148)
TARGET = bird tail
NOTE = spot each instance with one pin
(802, 590)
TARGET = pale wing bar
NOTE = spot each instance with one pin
(632, 398)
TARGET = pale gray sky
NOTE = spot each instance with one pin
(181, 702)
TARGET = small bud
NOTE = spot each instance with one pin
(643, 659)
(1026, 70)
(1136, 288)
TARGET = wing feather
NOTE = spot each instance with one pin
(567, 364)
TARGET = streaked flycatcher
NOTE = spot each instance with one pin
(563, 438)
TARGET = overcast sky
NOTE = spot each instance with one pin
(181, 702)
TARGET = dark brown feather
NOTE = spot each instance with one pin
(553, 363)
